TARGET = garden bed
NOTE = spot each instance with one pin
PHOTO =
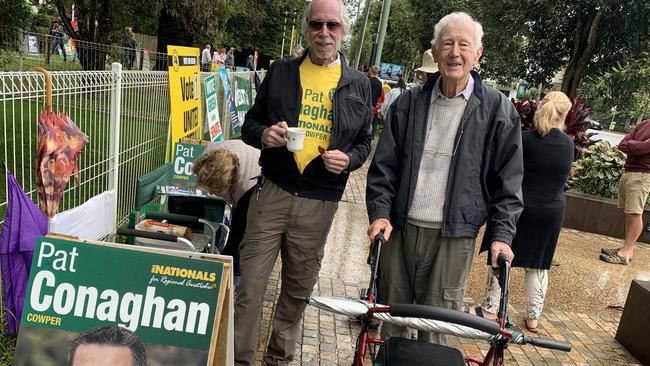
(599, 215)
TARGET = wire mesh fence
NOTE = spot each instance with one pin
(143, 136)
(86, 97)
(60, 52)
(89, 98)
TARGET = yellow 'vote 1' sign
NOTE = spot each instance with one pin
(184, 93)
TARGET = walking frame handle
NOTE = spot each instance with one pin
(373, 261)
(504, 279)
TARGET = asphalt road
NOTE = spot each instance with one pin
(612, 137)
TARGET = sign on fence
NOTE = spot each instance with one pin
(242, 97)
(184, 93)
(211, 109)
(230, 98)
(162, 307)
(184, 156)
(390, 71)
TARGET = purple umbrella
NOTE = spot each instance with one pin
(23, 223)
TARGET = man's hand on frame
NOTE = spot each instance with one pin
(377, 226)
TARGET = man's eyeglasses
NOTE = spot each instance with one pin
(332, 26)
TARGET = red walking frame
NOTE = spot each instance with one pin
(499, 340)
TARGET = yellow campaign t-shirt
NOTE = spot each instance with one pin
(316, 112)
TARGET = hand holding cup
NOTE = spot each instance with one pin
(275, 136)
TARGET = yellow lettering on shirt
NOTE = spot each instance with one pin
(316, 112)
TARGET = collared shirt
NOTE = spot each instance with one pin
(466, 93)
(206, 58)
(333, 63)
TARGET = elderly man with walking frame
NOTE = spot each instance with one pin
(449, 160)
(297, 197)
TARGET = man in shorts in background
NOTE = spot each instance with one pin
(633, 189)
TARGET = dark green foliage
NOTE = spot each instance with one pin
(16, 16)
(598, 171)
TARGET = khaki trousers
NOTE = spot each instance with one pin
(297, 228)
(418, 266)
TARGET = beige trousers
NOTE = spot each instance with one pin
(536, 286)
(297, 228)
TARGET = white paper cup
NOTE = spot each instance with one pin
(295, 138)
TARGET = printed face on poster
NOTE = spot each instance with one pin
(166, 305)
(184, 93)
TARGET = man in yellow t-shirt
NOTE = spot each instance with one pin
(293, 209)
(316, 112)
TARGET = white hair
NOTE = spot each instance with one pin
(454, 18)
(345, 19)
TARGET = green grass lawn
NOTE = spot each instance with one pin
(7, 342)
(24, 62)
(140, 130)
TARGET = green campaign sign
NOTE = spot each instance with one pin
(242, 97)
(212, 111)
(184, 157)
(163, 299)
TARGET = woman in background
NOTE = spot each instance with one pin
(228, 169)
(548, 155)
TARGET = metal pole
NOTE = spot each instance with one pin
(383, 24)
(284, 31)
(114, 134)
(357, 57)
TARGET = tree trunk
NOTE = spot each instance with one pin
(90, 56)
(170, 32)
(587, 32)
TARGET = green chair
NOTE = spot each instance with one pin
(207, 216)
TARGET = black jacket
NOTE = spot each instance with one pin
(279, 99)
(486, 169)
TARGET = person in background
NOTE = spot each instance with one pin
(293, 211)
(548, 155)
(230, 57)
(206, 58)
(449, 159)
(297, 51)
(218, 58)
(385, 87)
(229, 169)
(58, 36)
(250, 63)
(392, 96)
(130, 44)
(633, 189)
(377, 92)
(429, 66)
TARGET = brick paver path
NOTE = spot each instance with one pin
(328, 339)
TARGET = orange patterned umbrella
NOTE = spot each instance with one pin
(60, 143)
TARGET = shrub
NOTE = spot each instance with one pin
(575, 124)
(598, 171)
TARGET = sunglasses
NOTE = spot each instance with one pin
(315, 25)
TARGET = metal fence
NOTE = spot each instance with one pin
(64, 53)
(124, 114)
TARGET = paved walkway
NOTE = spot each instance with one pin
(581, 289)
